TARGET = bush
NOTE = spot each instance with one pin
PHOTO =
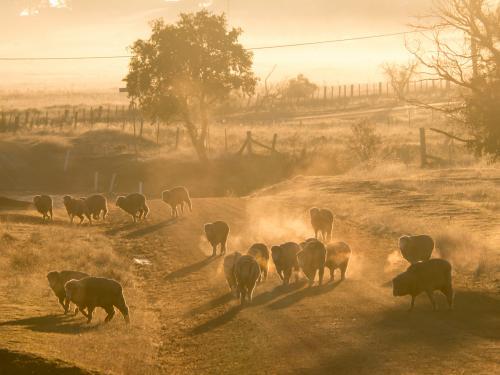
(364, 141)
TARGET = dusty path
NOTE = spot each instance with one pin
(354, 326)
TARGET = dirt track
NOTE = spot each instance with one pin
(351, 327)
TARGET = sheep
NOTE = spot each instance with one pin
(134, 204)
(229, 264)
(57, 281)
(177, 197)
(416, 248)
(246, 273)
(91, 292)
(285, 260)
(426, 276)
(337, 256)
(76, 207)
(96, 205)
(261, 253)
(322, 222)
(312, 258)
(43, 204)
(217, 233)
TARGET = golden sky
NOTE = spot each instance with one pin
(107, 27)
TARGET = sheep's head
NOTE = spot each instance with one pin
(165, 196)
(314, 212)
(276, 253)
(67, 200)
(36, 199)
(55, 280)
(403, 284)
(403, 242)
(120, 201)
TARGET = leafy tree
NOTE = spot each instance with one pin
(300, 87)
(471, 64)
(184, 69)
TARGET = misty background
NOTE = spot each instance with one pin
(44, 28)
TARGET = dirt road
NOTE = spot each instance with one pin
(355, 326)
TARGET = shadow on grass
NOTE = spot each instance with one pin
(217, 322)
(30, 219)
(455, 335)
(150, 229)
(52, 323)
(114, 231)
(185, 271)
(302, 294)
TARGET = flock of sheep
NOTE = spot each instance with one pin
(243, 272)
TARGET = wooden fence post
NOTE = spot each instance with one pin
(275, 139)
(423, 150)
(177, 135)
(76, 119)
(225, 139)
(66, 160)
(142, 126)
(249, 142)
(112, 183)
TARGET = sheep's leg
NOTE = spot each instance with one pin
(89, 314)
(62, 301)
(412, 303)
(448, 292)
(214, 250)
(111, 312)
(430, 294)
(320, 275)
(332, 275)
(223, 248)
(286, 276)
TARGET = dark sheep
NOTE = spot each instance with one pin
(229, 264)
(285, 260)
(246, 272)
(312, 258)
(134, 204)
(426, 276)
(217, 233)
(261, 253)
(57, 281)
(43, 204)
(97, 204)
(337, 257)
(416, 248)
(76, 207)
(177, 197)
(322, 222)
(91, 292)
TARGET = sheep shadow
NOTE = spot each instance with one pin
(122, 228)
(212, 304)
(150, 229)
(220, 320)
(293, 298)
(259, 299)
(52, 323)
(185, 271)
(29, 219)
(427, 334)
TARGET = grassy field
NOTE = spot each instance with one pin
(183, 319)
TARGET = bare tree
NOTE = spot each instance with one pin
(465, 35)
(399, 76)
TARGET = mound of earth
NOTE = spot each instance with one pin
(12, 362)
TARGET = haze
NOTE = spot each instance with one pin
(96, 27)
